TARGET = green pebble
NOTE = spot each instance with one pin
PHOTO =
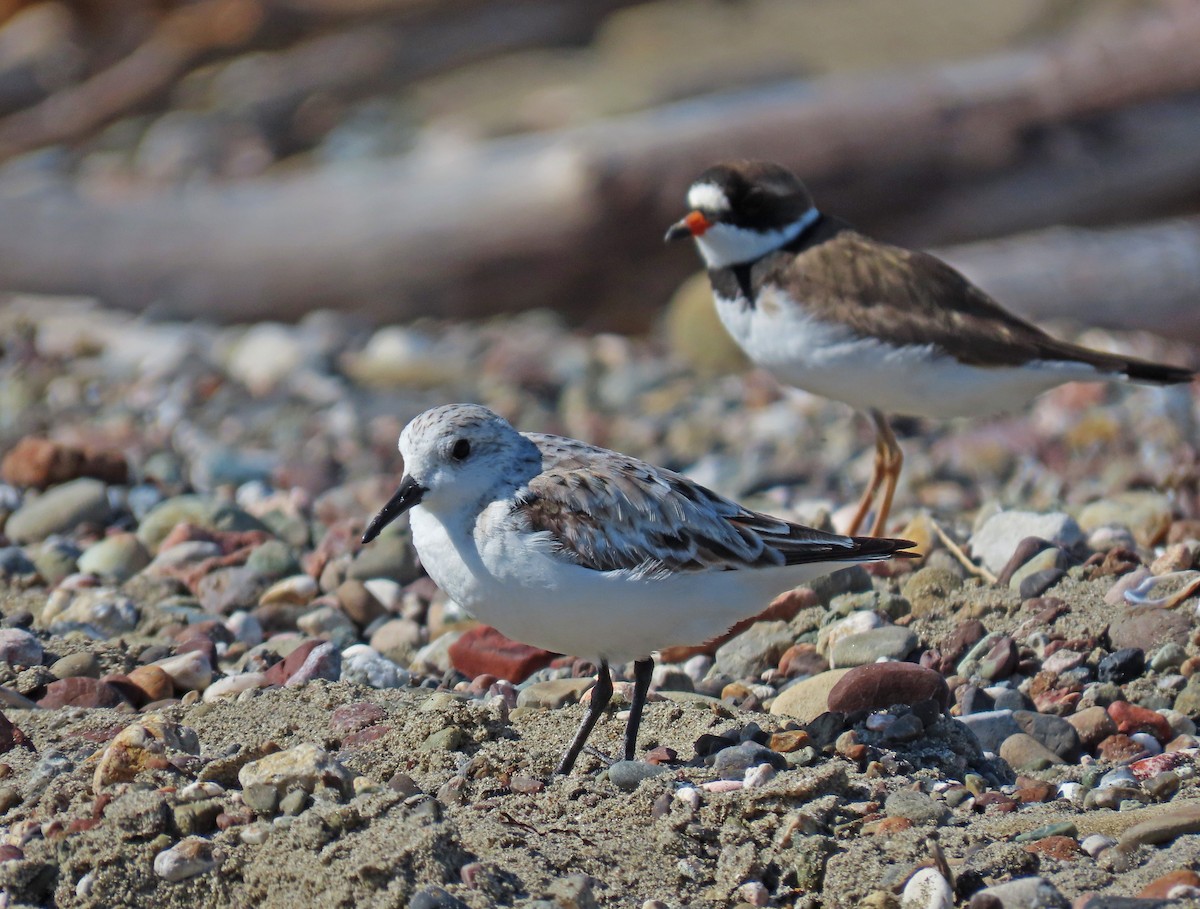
(1062, 828)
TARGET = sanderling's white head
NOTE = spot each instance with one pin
(455, 457)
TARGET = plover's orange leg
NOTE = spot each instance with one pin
(893, 460)
(878, 471)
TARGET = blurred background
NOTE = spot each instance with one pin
(240, 160)
(243, 241)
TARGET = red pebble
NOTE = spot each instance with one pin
(1159, 763)
(483, 649)
(11, 736)
(877, 686)
(80, 692)
(1131, 718)
(286, 668)
(365, 736)
(1118, 748)
(1180, 884)
(352, 717)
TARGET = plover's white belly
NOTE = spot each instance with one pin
(534, 596)
(831, 361)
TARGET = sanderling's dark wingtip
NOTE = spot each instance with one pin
(884, 548)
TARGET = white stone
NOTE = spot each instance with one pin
(995, 542)
(927, 889)
(246, 628)
(855, 623)
(185, 859)
(233, 685)
(190, 671)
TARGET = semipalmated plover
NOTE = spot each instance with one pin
(884, 329)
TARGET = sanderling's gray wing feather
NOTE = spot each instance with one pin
(608, 511)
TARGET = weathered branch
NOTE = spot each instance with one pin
(573, 220)
(182, 37)
(1142, 277)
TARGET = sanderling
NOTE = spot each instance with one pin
(592, 553)
(884, 329)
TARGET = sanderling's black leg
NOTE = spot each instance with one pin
(601, 695)
(642, 670)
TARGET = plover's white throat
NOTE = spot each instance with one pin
(882, 328)
(588, 552)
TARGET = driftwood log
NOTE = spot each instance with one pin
(1099, 126)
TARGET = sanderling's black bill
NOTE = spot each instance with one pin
(408, 495)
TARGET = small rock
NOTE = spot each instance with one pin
(116, 558)
(234, 685)
(733, 762)
(59, 510)
(915, 806)
(323, 662)
(80, 692)
(1052, 731)
(359, 603)
(1146, 513)
(1093, 725)
(877, 686)
(1096, 843)
(754, 650)
(39, 463)
(855, 623)
(362, 665)
(19, 648)
(1142, 624)
(627, 775)
(1022, 893)
(1000, 660)
(12, 737)
(305, 767)
(185, 859)
(927, 889)
(397, 639)
(483, 649)
(807, 699)
(153, 682)
(1122, 665)
(145, 745)
(1164, 827)
(551, 695)
(991, 727)
(889, 642)
(995, 541)
(1169, 886)
(801, 660)
(75, 664)
(1024, 752)
(1131, 718)
(189, 671)
(99, 612)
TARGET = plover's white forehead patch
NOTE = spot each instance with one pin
(707, 197)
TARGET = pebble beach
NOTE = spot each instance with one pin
(212, 695)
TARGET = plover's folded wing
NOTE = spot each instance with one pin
(608, 511)
(907, 298)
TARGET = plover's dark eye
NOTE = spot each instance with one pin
(461, 449)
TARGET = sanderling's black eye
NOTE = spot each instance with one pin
(461, 449)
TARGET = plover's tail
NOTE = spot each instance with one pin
(1157, 374)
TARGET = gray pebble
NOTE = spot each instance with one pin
(626, 775)
(59, 510)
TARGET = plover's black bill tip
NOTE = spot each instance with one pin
(408, 495)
